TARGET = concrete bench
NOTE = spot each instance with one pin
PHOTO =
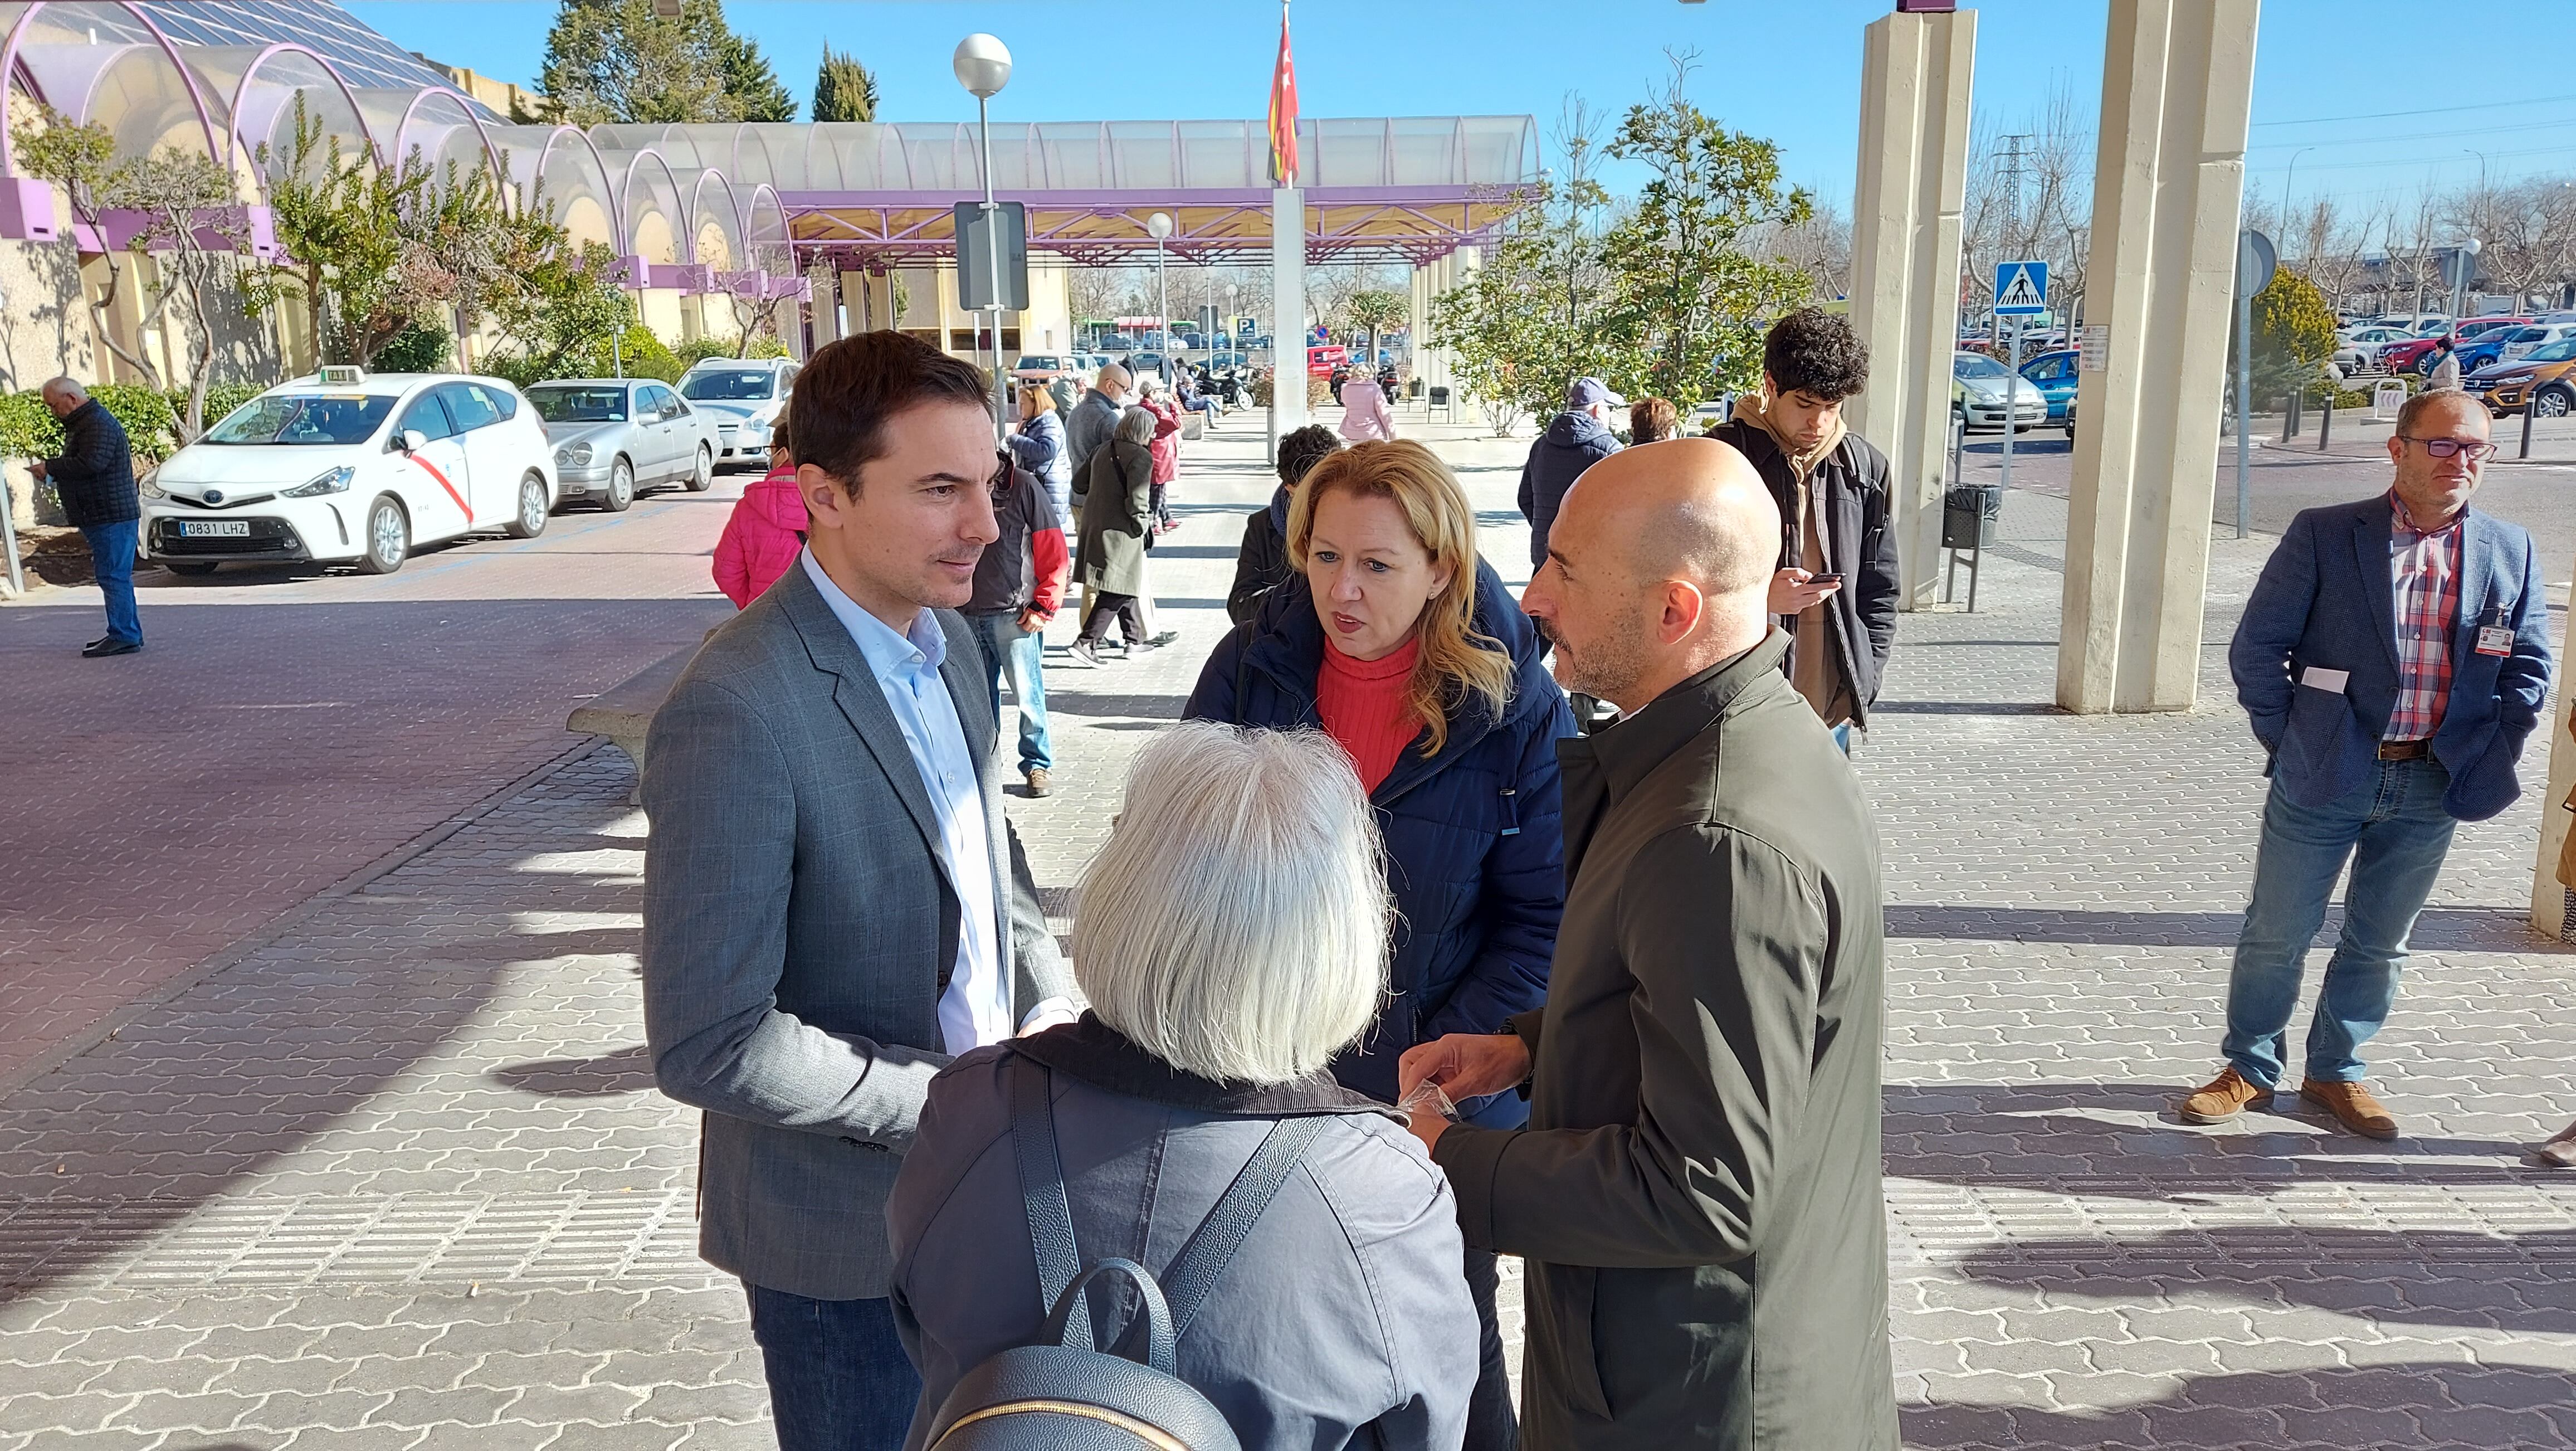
(624, 711)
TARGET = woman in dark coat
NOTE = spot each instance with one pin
(1231, 937)
(1400, 642)
(1115, 493)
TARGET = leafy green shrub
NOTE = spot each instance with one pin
(223, 398)
(2294, 336)
(418, 348)
(646, 356)
(698, 350)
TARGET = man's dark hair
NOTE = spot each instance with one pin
(1814, 351)
(1303, 449)
(782, 437)
(849, 389)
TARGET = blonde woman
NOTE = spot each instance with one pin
(1401, 644)
(1039, 447)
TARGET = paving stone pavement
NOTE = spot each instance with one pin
(397, 1177)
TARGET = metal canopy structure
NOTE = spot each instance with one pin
(742, 207)
(874, 197)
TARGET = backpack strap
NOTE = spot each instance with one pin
(1050, 1214)
(1212, 1246)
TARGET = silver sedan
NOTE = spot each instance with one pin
(615, 436)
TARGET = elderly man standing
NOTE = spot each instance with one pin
(1095, 418)
(1574, 440)
(2393, 657)
(1697, 1192)
(94, 477)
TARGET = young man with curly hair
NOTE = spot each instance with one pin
(1836, 588)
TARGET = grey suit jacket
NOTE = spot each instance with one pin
(799, 929)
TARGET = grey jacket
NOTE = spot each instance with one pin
(799, 930)
(1697, 1192)
(1090, 425)
(1344, 1320)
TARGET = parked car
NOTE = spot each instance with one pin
(2053, 373)
(2543, 380)
(613, 437)
(2357, 351)
(2411, 356)
(2505, 345)
(1979, 386)
(745, 396)
(1045, 367)
(347, 466)
(1323, 358)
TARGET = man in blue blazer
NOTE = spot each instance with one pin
(2394, 658)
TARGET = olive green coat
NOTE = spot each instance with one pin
(1113, 491)
(1697, 1192)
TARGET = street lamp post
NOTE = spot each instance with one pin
(1160, 226)
(2286, 182)
(983, 67)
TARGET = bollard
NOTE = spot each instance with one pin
(2325, 424)
(2527, 411)
(2290, 417)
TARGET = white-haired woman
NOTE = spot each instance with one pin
(1231, 938)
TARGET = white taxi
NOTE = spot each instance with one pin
(344, 466)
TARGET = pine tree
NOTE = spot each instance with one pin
(615, 60)
(844, 90)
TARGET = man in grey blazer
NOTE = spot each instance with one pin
(834, 905)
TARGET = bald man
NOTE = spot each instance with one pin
(1697, 1192)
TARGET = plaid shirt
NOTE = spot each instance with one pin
(2425, 568)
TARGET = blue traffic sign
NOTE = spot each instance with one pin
(2021, 289)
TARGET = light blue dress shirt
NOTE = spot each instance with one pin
(976, 1009)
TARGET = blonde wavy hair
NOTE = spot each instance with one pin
(1455, 662)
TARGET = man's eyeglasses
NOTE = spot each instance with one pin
(2448, 447)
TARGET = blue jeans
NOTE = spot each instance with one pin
(1008, 649)
(111, 553)
(838, 1377)
(2395, 833)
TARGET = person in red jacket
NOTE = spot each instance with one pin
(1019, 583)
(767, 530)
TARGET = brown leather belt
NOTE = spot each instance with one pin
(2404, 750)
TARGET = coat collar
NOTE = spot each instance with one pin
(1097, 1054)
(1600, 770)
(862, 702)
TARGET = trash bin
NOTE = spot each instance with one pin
(1968, 515)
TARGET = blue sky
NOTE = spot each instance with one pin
(2335, 78)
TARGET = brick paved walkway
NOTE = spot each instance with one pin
(396, 1177)
(280, 732)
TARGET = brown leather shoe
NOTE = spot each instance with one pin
(2352, 1106)
(2223, 1098)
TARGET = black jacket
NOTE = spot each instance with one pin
(1012, 573)
(1262, 564)
(1475, 857)
(1851, 485)
(95, 474)
(1573, 442)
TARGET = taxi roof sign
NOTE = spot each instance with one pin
(344, 374)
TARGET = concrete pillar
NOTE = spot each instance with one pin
(826, 282)
(1288, 308)
(2177, 83)
(1913, 177)
(856, 301)
(2553, 903)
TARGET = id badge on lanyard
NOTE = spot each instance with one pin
(2495, 636)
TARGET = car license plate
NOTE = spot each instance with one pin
(214, 529)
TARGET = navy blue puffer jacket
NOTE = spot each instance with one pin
(1475, 852)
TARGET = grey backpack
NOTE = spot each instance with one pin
(1065, 1392)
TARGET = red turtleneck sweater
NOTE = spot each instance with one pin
(1363, 708)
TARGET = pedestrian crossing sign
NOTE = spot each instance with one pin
(2021, 289)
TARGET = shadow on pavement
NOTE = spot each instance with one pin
(2515, 1283)
(2123, 1140)
(2493, 929)
(628, 1070)
(2407, 1407)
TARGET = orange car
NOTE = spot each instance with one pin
(2543, 380)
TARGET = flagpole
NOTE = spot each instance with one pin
(1287, 251)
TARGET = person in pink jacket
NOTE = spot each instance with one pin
(1365, 415)
(767, 530)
